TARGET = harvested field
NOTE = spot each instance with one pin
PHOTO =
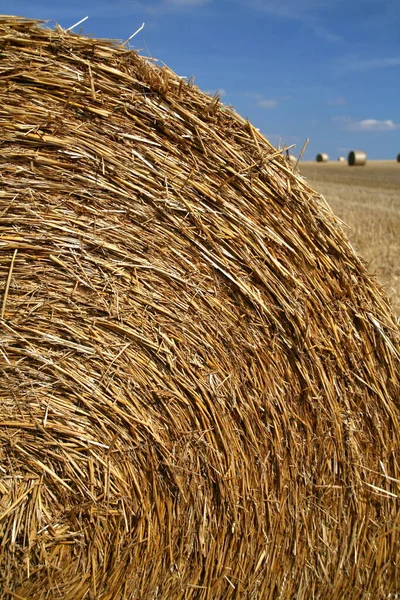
(199, 379)
(367, 199)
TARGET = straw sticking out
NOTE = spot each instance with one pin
(7, 287)
(77, 24)
(133, 34)
(199, 386)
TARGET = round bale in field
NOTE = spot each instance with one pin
(357, 158)
(341, 159)
(398, 158)
(322, 157)
(199, 386)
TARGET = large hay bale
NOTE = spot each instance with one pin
(357, 158)
(199, 392)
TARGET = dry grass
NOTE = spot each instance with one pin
(367, 199)
(199, 380)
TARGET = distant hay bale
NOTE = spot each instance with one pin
(341, 159)
(322, 157)
(292, 159)
(398, 158)
(199, 391)
(357, 158)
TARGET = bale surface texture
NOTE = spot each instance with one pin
(199, 385)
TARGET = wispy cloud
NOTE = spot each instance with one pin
(323, 33)
(104, 8)
(267, 103)
(290, 8)
(170, 6)
(221, 92)
(366, 125)
(337, 101)
(308, 12)
(185, 3)
(373, 125)
(258, 100)
(370, 64)
(74, 8)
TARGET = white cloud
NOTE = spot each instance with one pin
(267, 104)
(366, 125)
(373, 125)
(221, 92)
(372, 63)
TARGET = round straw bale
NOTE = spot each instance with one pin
(291, 158)
(357, 158)
(322, 157)
(199, 390)
(341, 159)
(398, 158)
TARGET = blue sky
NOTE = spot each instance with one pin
(328, 70)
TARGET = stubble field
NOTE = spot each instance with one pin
(367, 199)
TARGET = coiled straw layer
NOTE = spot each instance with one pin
(199, 390)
